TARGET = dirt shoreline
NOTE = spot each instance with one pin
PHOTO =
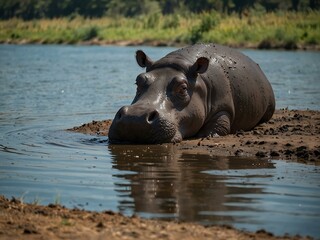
(290, 134)
(157, 43)
(28, 221)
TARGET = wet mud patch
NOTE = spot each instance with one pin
(290, 134)
(29, 221)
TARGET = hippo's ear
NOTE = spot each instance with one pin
(142, 59)
(201, 65)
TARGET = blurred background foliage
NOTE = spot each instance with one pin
(35, 9)
(287, 24)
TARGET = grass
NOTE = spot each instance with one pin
(66, 222)
(37, 200)
(276, 30)
(269, 30)
(57, 200)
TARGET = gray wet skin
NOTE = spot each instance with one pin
(196, 91)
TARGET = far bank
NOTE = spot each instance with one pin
(284, 30)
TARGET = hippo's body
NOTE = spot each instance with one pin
(196, 91)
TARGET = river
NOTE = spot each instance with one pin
(47, 89)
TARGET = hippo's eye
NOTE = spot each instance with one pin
(182, 90)
(179, 91)
(179, 87)
(143, 81)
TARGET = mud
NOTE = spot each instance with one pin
(290, 134)
(27, 221)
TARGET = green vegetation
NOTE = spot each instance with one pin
(258, 29)
(245, 23)
(35, 9)
(57, 200)
(66, 222)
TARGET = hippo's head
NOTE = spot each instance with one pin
(169, 103)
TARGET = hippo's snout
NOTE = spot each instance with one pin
(140, 124)
(125, 116)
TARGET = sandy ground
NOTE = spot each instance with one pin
(289, 134)
(27, 221)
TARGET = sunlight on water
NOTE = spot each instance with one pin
(289, 192)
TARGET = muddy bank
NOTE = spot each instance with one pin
(266, 45)
(290, 134)
(27, 221)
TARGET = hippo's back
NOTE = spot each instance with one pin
(232, 74)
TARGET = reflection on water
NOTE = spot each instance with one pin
(249, 193)
(174, 185)
(46, 89)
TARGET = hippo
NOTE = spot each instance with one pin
(197, 91)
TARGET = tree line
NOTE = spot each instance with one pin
(35, 9)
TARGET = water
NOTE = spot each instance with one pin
(46, 89)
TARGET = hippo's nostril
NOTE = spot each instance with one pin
(122, 112)
(152, 116)
(118, 115)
